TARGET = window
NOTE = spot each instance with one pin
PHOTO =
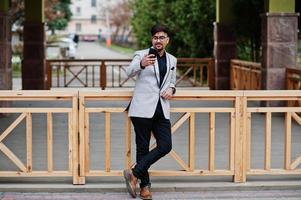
(93, 19)
(78, 10)
(93, 3)
(78, 27)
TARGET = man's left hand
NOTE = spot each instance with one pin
(167, 94)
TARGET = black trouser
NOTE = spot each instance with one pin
(162, 132)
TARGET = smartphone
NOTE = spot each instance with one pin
(153, 52)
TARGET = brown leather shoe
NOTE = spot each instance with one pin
(131, 182)
(145, 193)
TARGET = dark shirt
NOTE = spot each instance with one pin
(162, 66)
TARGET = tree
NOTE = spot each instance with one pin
(120, 19)
(248, 28)
(58, 14)
(190, 21)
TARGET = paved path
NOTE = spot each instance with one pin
(94, 50)
(221, 195)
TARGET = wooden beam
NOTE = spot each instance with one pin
(211, 149)
(268, 131)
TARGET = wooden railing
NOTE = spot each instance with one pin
(239, 138)
(293, 78)
(94, 115)
(293, 82)
(195, 72)
(111, 73)
(245, 75)
(26, 113)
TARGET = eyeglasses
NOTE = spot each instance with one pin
(159, 38)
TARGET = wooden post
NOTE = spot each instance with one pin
(29, 141)
(128, 141)
(240, 140)
(288, 140)
(78, 139)
(191, 141)
(211, 141)
(103, 75)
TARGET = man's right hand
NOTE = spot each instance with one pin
(148, 60)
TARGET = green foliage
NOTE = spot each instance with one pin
(190, 21)
(248, 28)
(64, 15)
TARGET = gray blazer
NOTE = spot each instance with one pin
(147, 91)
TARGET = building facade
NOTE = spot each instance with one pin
(90, 19)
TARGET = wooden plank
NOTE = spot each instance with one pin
(35, 174)
(248, 141)
(288, 141)
(29, 141)
(57, 94)
(203, 110)
(211, 149)
(50, 142)
(35, 110)
(251, 94)
(169, 173)
(128, 142)
(103, 110)
(240, 139)
(12, 126)
(297, 162)
(70, 141)
(274, 172)
(79, 157)
(77, 106)
(179, 160)
(180, 93)
(232, 141)
(12, 157)
(268, 131)
(193, 173)
(191, 156)
(296, 118)
(274, 109)
(107, 141)
(87, 142)
(244, 137)
(179, 122)
(200, 110)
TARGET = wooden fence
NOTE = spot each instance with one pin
(245, 75)
(240, 110)
(25, 113)
(110, 73)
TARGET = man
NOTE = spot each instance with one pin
(149, 109)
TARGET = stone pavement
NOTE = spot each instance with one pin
(93, 50)
(221, 195)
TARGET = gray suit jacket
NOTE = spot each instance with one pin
(147, 91)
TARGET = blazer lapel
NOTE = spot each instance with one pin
(157, 72)
(167, 70)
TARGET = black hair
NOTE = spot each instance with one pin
(159, 28)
